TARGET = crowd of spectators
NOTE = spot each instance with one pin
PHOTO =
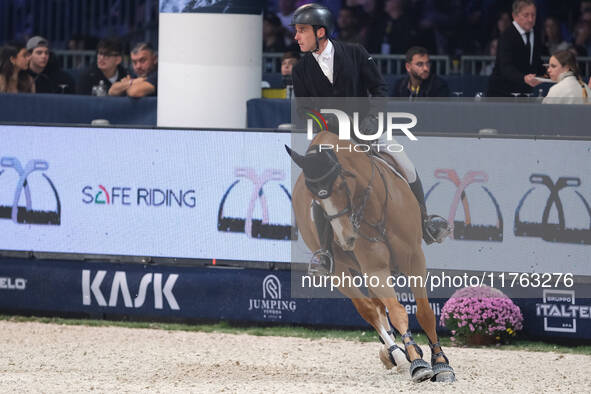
(33, 68)
(417, 28)
(451, 27)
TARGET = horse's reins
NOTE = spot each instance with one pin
(357, 216)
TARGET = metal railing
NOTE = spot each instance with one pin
(60, 20)
(473, 65)
(388, 64)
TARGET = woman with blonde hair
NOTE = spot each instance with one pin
(14, 62)
(570, 88)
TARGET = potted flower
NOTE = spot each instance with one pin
(481, 315)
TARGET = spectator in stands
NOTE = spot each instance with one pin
(518, 58)
(144, 79)
(14, 62)
(45, 69)
(348, 26)
(420, 82)
(79, 42)
(288, 61)
(286, 9)
(393, 32)
(570, 88)
(582, 33)
(108, 67)
(441, 19)
(273, 40)
(493, 46)
(552, 37)
(503, 23)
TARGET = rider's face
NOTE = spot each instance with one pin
(305, 37)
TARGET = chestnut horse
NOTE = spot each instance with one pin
(376, 225)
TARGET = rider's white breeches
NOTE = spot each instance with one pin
(401, 158)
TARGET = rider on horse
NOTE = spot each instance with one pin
(358, 76)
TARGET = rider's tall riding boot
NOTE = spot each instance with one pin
(322, 260)
(435, 227)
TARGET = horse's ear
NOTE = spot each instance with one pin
(295, 156)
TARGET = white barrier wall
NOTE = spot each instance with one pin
(168, 193)
(209, 64)
(226, 195)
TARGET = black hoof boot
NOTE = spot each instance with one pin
(420, 370)
(442, 371)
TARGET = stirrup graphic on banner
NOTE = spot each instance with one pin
(26, 214)
(553, 232)
(257, 228)
(465, 230)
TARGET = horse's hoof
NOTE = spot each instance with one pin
(443, 373)
(401, 363)
(385, 359)
(420, 370)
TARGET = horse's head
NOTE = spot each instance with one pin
(326, 180)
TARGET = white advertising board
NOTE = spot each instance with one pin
(509, 184)
(167, 193)
(226, 195)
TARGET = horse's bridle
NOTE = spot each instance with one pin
(356, 214)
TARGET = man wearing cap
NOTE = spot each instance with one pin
(45, 69)
(337, 69)
(144, 81)
(108, 67)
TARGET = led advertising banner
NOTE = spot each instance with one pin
(167, 193)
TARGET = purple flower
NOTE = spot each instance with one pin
(482, 309)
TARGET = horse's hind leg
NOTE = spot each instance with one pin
(426, 318)
(373, 312)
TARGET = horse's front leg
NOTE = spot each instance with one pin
(373, 311)
(374, 258)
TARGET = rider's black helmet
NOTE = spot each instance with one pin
(316, 15)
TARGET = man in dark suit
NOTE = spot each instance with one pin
(337, 69)
(331, 68)
(518, 55)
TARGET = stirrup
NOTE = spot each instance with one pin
(435, 229)
(321, 263)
